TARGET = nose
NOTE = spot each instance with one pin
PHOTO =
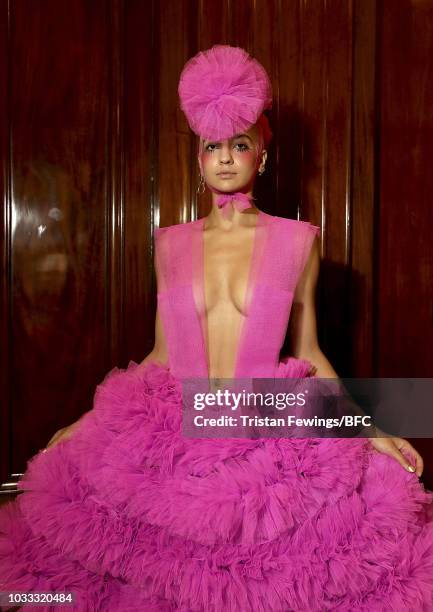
(225, 156)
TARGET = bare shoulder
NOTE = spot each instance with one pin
(296, 222)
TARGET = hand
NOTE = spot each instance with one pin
(61, 434)
(394, 447)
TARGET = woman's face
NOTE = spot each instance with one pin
(232, 164)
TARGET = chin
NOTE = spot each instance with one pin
(228, 185)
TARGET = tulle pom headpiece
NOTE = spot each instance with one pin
(223, 91)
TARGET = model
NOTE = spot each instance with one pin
(127, 513)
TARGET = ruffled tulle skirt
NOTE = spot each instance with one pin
(131, 516)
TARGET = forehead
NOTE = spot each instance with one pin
(252, 133)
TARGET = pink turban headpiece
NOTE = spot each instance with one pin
(223, 92)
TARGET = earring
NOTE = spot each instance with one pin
(261, 170)
(201, 186)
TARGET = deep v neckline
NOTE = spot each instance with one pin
(199, 286)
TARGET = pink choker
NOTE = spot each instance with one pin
(239, 200)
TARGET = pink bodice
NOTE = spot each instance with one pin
(280, 252)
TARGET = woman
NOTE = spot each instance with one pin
(130, 515)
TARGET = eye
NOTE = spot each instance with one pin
(243, 146)
(212, 146)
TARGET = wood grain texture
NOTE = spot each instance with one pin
(60, 193)
(5, 249)
(405, 250)
(364, 162)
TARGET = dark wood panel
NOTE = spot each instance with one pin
(177, 32)
(405, 214)
(405, 316)
(336, 186)
(5, 234)
(139, 175)
(115, 206)
(325, 120)
(267, 23)
(60, 135)
(364, 159)
(291, 130)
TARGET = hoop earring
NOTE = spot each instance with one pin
(201, 186)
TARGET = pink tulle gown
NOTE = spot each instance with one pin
(132, 516)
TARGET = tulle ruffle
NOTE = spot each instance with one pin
(290, 367)
(128, 512)
(223, 91)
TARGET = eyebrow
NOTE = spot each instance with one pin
(240, 135)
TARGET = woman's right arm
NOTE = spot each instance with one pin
(64, 433)
(158, 354)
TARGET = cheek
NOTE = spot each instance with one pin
(248, 159)
(205, 157)
(201, 157)
(205, 160)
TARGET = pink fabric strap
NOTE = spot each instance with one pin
(238, 199)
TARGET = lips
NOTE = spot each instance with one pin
(226, 174)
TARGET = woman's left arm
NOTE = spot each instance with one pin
(304, 342)
(302, 324)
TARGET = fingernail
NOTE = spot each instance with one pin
(410, 468)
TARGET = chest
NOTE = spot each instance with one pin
(228, 268)
(227, 263)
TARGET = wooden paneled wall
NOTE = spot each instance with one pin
(404, 225)
(96, 152)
